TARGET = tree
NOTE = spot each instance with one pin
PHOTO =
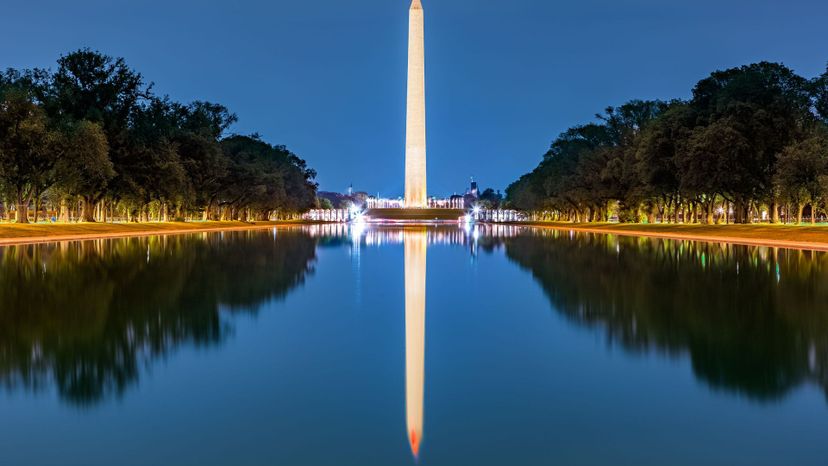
(820, 94)
(95, 87)
(679, 158)
(491, 199)
(589, 166)
(202, 126)
(769, 106)
(801, 173)
(84, 169)
(152, 170)
(264, 179)
(93, 133)
(657, 151)
(26, 156)
(524, 194)
(717, 161)
(323, 203)
(89, 85)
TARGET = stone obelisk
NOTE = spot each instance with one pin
(415, 130)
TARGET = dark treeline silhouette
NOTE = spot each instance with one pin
(88, 317)
(91, 141)
(751, 320)
(750, 145)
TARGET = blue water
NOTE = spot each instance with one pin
(289, 347)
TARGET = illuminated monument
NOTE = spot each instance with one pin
(416, 195)
(416, 206)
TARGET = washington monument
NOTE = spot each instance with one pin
(415, 129)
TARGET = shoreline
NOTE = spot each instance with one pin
(802, 237)
(807, 237)
(26, 234)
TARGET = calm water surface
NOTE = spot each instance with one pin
(332, 345)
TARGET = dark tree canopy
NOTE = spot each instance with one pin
(97, 142)
(657, 161)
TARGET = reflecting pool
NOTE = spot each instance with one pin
(347, 345)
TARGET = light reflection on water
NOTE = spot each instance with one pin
(89, 320)
(416, 244)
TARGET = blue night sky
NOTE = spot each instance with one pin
(327, 77)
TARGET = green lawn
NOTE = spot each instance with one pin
(760, 232)
(802, 233)
(41, 230)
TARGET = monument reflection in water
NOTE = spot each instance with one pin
(415, 241)
(416, 244)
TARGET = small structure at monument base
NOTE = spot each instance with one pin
(413, 215)
(453, 202)
(331, 215)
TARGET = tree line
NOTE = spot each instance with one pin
(751, 144)
(91, 141)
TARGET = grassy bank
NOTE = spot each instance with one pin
(789, 236)
(12, 233)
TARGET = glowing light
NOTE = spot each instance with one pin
(357, 229)
(415, 246)
(414, 440)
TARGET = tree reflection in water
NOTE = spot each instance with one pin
(89, 316)
(752, 320)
